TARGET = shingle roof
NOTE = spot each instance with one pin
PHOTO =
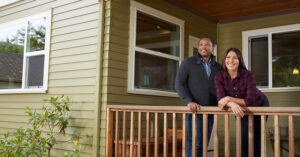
(11, 66)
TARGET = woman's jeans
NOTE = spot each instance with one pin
(256, 131)
(199, 140)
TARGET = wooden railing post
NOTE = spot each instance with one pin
(148, 134)
(165, 134)
(276, 136)
(139, 151)
(183, 135)
(204, 136)
(109, 132)
(216, 136)
(238, 137)
(250, 136)
(174, 144)
(227, 136)
(194, 152)
(131, 134)
(291, 137)
(156, 135)
(117, 135)
(124, 135)
(263, 137)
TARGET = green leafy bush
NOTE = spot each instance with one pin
(46, 127)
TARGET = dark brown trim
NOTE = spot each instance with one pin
(250, 17)
(260, 15)
(181, 5)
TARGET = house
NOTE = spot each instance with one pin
(106, 52)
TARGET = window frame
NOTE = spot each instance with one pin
(135, 6)
(246, 35)
(7, 2)
(26, 55)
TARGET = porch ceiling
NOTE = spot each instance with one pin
(232, 10)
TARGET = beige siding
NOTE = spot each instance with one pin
(116, 52)
(72, 66)
(230, 35)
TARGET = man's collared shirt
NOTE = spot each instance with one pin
(206, 66)
(243, 86)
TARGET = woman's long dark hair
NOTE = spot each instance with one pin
(239, 55)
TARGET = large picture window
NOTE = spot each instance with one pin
(274, 57)
(24, 51)
(155, 51)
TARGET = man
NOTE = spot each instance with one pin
(195, 86)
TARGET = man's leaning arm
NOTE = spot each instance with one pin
(181, 84)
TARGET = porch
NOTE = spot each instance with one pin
(164, 134)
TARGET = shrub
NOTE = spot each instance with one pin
(45, 128)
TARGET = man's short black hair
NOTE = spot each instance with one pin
(211, 40)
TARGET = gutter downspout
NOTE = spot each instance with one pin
(99, 77)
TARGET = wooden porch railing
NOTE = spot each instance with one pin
(113, 127)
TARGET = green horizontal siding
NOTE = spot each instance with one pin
(72, 67)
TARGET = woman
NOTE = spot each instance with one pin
(236, 87)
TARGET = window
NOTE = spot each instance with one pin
(274, 56)
(155, 51)
(24, 51)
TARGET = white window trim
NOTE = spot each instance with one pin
(7, 2)
(44, 52)
(135, 6)
(268, 32)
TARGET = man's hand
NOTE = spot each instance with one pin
(236, 109)
(193, 106)
(223, 102)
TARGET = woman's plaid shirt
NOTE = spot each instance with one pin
(243, 86)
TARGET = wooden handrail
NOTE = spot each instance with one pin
(209, 110)
(154, 145)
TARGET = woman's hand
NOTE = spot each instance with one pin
(236, 109)
(223, 102)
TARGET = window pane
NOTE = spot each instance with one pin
(35, 71)
(152, 72)
(11, 56)
(36, 34)
(286, 59)
(259, 60)
(158, 35)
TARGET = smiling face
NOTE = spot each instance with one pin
(205, 47)
(232, 61)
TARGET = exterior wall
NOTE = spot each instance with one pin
(116, 52)
(74, 53)
(230, 35)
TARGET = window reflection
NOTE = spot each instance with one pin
(36, 31)
(153, 72)
(11, 56)
(259, 60)
(157, 35)
(35, 71)
(286, 59)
